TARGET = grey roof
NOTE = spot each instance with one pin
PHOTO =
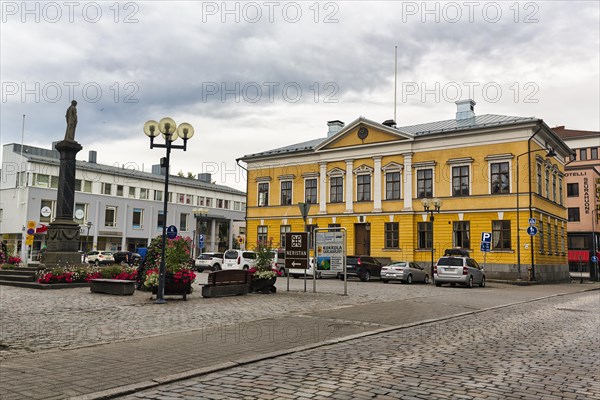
(52, 157)
(477, 122)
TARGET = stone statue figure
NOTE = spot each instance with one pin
(71, 121)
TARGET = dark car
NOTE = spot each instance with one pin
(127, 257)
(364, 267)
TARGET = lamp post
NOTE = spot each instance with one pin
(551, 153)
(170, 132)
(199, 214)
(304, 209)
(87, 238)
(431, 206)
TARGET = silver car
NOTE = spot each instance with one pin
(462, 270)
(406, 272)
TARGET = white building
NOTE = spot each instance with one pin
(118, 208)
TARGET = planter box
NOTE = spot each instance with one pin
(175, 289)
(112, 286)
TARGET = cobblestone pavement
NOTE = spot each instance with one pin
(541, 350)
(62, 343)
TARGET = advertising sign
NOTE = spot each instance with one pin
(330, 251)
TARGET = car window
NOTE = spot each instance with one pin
(415, 265)
(230, 255)
(107, 253)
(218, 255)
(352, 260)
(204, 257)
(450, 261)
(472, 263)
(398, 264)
(248, 254)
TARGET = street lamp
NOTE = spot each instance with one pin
(551, 153)
(430, 206)
(170, 132)
(200, 213)
(87, 238)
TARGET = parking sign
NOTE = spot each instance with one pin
(486, 237)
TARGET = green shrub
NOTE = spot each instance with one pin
(111, 271)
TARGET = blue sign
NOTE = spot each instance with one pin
(532, 221)
(594, 259)
(171, 231)
(532, 230)
(486, 237)
(485, 247)
(200, 241)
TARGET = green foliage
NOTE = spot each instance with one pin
(264, 255)
(177, 256)
(111, 271)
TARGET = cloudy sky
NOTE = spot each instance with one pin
(252, 76)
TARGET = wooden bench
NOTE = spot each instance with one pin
(232, 282)
(112, 286)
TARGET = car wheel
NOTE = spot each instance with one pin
(426, 280)
(438, 284)
(319, 275)
(384, 281)
(217, 267)
(470, 283)
(366, 277)
(245, 267)
(409, 279)
(482, 283)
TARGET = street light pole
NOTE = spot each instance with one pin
(551, 153)
(170, 132)
(430, 206)
(87, 238)
(304, 209)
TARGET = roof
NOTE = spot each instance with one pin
(52, 157)
(574, 134)
(419, 130)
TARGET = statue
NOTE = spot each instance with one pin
(71, 121)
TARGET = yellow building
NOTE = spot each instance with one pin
(372, 178)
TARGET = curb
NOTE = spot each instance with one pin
(194, 373)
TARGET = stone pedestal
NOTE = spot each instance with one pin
(63, 232)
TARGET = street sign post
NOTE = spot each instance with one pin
(330, 250)
(486, 244)
(171, 231)
(532, 221)
(200, 241)
(532, 230)
(296, 253)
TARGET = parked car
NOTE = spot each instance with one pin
(455, 267)
(299, 272)
(127, 257)
(100, 257)
(239, 259)
(211, 261)
(405, 272)
(279, 261)
(364, 267)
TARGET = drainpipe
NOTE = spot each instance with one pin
(532, 276)
(237, 161)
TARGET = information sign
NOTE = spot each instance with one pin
(296, 250)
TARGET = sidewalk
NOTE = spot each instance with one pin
(229, 331)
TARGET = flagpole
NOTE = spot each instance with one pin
(395, 79)
(21, 188)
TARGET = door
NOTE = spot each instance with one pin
(362, 239)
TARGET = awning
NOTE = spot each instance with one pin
(576, 255)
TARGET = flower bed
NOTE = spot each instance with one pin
(85, 274)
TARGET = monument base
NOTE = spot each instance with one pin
(63, 244)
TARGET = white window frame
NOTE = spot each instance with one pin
(114, 222)
(141, 212)
(461, 162)
(391, 168)
(496, 159)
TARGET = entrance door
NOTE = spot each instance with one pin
(362, 239)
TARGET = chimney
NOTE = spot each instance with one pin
(465, 109)
(206, 177)
(158, 170)
(92, 156)
(334, 127)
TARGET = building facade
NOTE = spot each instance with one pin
(117, 207)
(492, 173)
(583, 196)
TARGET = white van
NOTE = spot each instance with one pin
(239, 259)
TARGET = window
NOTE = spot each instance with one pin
(336, 189)
(131, 193)
(78, 185)
(160, 221)
(583, 154)
(80, 213)
(594, 153)
(539, 178)
(120, 190)
(41, 180)
(363, 188)
(110, 216)
(547, 182)
(310, 190)
(283, 229)
(392, 186)
(158, 195)
(392, 232)
(333, 226)
(226, 204)
(107, 188)
(263, 194)
(144, 193)
(286, 193)
(554, 187)
(183, 222)
(461, 234)
(87, 186)
(460, 180)
(501, 235)
(560, 190)
(562, 240)
(209, 201)
(54, 182)
(137, 219)
(549, 237)
(219, 203)
(236, 206)
(262, 234)
(541, 233)
(425, 235)
(424, 183)
(573, 214)
(500, 177)
(189, 199)
(181, 198)
(572, 189)
(556, 239)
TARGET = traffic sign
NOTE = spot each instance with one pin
(29, 240)
(30, 231)
(486, 237)
(171, 231)
(485, 247)
(296, 250)
(532, 230)
(31, 224)
(594, 259)
(532, 221)
(200, 241)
